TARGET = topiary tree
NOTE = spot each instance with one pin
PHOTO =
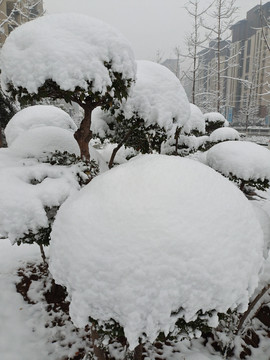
(156, 108)
(242, 162)
(80, 59)
(136, 220)
(213, 121)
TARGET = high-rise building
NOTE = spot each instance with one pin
(16, 12)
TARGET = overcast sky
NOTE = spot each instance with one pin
(149, 25)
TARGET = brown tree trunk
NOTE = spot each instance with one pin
(176, 136)
(83, 135)
(138, 352)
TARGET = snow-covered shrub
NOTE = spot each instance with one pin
(219, 135)
(37, 116)
(213, 121)
(243, 162)
(157, 106)
(80, 59)
(153, 241)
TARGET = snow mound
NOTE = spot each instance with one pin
(40, 141)
(157, 97)
(152, 236)
(244, 159)
(213, 117)
(70, 49)
(223, 134)
(196, 120)
(35, 142)
(36, 116)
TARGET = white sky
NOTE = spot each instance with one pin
(149, 25)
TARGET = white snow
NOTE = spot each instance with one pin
(243, 159)
(37, 116)
(152, 236)
(37, 141)
(195, 122)
(68, 48)
(223, 134)
(157, 97)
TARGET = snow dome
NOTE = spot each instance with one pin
(155, 235)
(70, 49)
(243, 159)
(157, 97)
(36, 116)
(44, 139)
(223, 134)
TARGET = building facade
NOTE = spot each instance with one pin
(14, 13)
(245, 67)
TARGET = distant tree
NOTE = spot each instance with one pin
(195, 41)
(96, 72)
(223, 13)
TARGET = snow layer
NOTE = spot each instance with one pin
(244, 159)
(68, 48)
(157, 97)
(223, 134)
(38, 142)
(36, 116)
(152, 236)
(196, 120)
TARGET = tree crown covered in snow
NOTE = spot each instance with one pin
(70, 56)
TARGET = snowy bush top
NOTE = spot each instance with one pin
(39, 141)
(243, 159)
(35, 116)
(26, 188)
(154, 236)
(157, 97)
(223, 134)
(213, 117)
(73, 50)
(195, 122)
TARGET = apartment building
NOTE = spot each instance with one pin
(249, 50)
(14, 13)
(245, 88)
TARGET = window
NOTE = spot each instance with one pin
(247, 65)
(248, 47)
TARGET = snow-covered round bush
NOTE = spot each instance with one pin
(36, 116)
(224, 134)
(246, 163)
(157, 106)
(155, 240)
(213, 121)
(72, 57)
(40, 142)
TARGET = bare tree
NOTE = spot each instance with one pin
(15, 13)
(222, 12)
(194, 41)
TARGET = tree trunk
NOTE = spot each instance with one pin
(83, 135)
(138, 352)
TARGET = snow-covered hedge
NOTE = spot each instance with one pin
(154, 240)
(242, 161)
